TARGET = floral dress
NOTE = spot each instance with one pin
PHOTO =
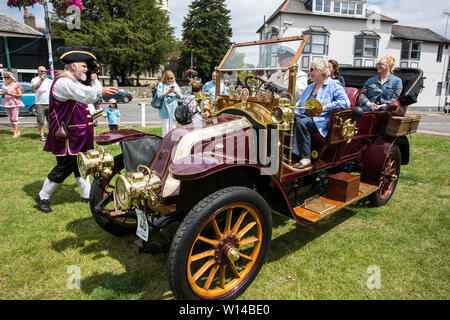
(12, 104)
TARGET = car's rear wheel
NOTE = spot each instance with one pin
(220, 246)
(388, 178)
(126, 99)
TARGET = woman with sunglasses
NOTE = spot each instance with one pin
(332, 96)
(11, 94)
(379, 91)
(170, 92)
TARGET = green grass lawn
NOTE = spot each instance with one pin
(407, 240)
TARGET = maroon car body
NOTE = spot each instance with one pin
(221, 179)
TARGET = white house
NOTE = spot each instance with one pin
(353, 35)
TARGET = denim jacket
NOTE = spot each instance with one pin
(331, 94)
(388, 92)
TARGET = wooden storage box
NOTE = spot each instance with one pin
(343, 186)
(401, 125)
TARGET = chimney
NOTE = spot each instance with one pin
(29, 19)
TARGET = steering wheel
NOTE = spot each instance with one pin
(259, 81)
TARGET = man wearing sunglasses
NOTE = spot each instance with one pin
(41, 86)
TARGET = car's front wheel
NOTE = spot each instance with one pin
(33, 111)
(126, 99)
(220, 246)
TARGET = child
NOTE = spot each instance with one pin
(113, 115)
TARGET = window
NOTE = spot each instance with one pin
(27, 89)
(439, 53)
(344, 8)
(411, 50)
(366, 44)
(318, 41)
(319, 5)
(351, 8)
(439, 89)
(359, 8)
(326, 5)
(337, 6)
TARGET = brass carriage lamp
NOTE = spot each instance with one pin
(136, 186)
(283, 114)
(93, 161)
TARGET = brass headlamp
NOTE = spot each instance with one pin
(136, 186)
(283, 114)
(93, 161)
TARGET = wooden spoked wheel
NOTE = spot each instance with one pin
(120, 225)
(225, 251)
(390, 172)
(220, 246)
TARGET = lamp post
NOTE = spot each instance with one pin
(49, 39)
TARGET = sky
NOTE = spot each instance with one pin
(248, 15)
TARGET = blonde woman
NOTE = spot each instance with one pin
(379, 91)
(169, 91)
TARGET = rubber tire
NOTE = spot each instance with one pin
(193, 223)
(374, 198)
(96, 195)
(33, 111)
(125, 99)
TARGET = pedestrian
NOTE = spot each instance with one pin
(11, 94)
(210, 87)
(41, 86)
(191, 102)
(169, 91)
(333, 65)
(112, 117)
(68, 108)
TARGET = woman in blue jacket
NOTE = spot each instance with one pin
(169, 91)
(332, 96)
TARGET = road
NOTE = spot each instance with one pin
(432, 123)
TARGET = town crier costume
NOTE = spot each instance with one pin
(68, 107)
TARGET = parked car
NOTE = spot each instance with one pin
(120, 96)
(28, 99)
(222, 179)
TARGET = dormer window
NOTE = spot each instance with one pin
(318, 41)
(349, 7)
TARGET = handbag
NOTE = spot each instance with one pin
(183, 114)
(156, 102)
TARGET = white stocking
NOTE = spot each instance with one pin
(47, 189)
(85, 186)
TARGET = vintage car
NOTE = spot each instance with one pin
(219, 181)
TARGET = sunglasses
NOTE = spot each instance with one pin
(169, 78)
(6, 77)
(312, 69)
(379, 64)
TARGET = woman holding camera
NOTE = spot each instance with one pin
(169, 91)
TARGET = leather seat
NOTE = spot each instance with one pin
(353, 96)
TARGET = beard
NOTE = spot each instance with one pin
(80, 74)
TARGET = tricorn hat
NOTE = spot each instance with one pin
(285, 51)
(77, 54)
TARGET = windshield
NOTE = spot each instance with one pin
(260, 58)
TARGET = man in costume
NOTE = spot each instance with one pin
(68, 105)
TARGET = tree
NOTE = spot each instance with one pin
(207, 33)
(133, 35)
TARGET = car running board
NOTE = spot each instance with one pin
(322, 207)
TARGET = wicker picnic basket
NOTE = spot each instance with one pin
(401, 125)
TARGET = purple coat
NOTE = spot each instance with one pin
(79, 123)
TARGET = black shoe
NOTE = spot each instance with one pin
(43, 205)
(85, 200)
